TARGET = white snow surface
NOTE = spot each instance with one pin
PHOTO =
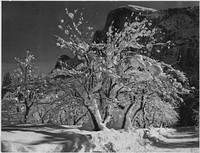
(141, 8)
(57, 138)
(136, 8)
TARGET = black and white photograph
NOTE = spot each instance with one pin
(100, 76)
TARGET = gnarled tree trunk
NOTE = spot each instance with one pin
(123, 118)
(96, 116)
(27, 110)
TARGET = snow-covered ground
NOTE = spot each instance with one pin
(179, 140)
(56, 138)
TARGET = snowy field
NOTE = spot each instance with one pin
(56, 138)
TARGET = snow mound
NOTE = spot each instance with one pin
(45, 138)
(119, 141)
(155, 135)
(18, 147)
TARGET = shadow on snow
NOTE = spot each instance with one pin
(69, 140)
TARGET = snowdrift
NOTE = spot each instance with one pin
(56, 138)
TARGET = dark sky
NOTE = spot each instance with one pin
(29, 25)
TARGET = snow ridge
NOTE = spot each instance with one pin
(141, 8)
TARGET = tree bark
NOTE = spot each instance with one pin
(126, 115)
(42, 120)
(26, 116)
(131, 113)
(96, 116)
(137, 108)
(144, 118)
(94, 121)
(27, 110)
(80, 117)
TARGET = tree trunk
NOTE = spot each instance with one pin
(26, 111)
(61, 122)
(41, 117)
(137, 108)
(126, 115)
(151, 120)
(96, 116)
(138, 123)
(144, 118)
(131, 113)
(42, 120)
(26, 116)
(80, 117)
(94, 121)
(107, 115)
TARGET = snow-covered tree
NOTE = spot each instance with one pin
(116, 82)
(10, 109)
(23, 87)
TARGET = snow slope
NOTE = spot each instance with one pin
(57, 138)
(182, 139)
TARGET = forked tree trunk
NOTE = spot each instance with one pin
(96, 117)
(132, 112)
(123, 117)
(138, 108)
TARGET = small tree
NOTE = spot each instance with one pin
(24, 77)
(114, 77)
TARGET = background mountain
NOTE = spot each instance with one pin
(68, 62)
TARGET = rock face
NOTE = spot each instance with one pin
(66, 61)
(181, 27)
(119, 16)
(62, 58)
